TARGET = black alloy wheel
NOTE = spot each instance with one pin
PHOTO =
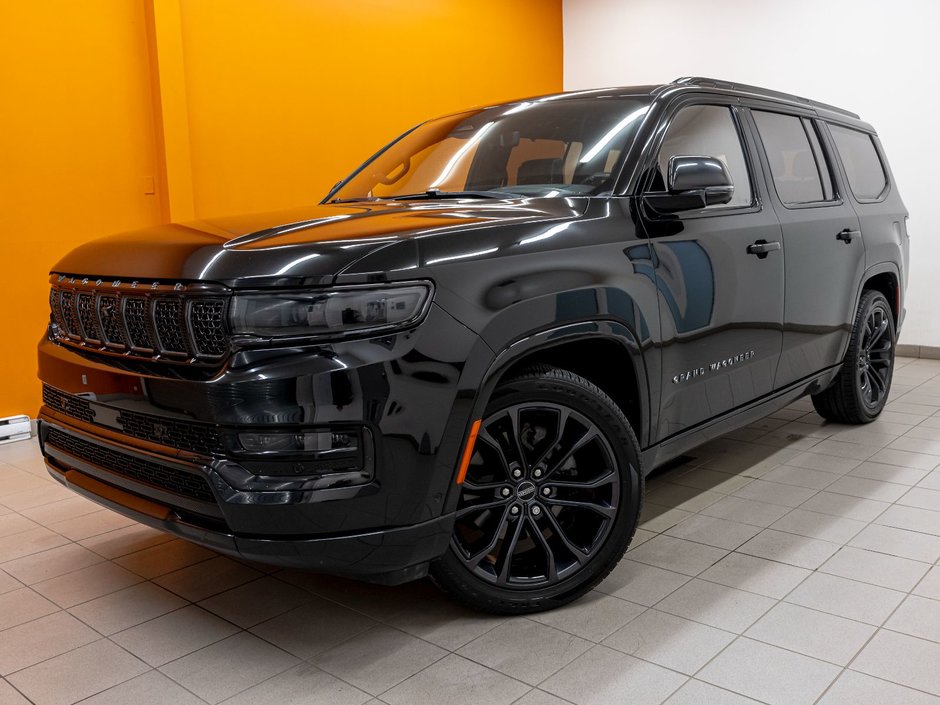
(551, 496)
(875, 357)
(860, 390)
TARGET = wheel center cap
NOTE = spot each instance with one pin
(525, 491)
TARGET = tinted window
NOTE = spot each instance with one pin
(861, 161)
(798, 177)
(707, 131)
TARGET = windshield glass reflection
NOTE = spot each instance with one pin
(570, 147)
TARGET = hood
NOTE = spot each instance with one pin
(304, 246)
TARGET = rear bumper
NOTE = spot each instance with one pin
(389, 555)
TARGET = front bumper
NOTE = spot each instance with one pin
(402, 390)
(390, 555)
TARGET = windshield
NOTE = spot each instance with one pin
(541, 148)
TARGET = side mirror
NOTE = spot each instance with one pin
(693, 183)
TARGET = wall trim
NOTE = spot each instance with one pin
(927, 352)
(171, 111)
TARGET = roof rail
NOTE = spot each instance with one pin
(757, 90)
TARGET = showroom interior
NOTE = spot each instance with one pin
(792, 560)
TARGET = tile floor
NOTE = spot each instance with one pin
(792, 561)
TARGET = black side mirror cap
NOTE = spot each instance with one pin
(694, 182)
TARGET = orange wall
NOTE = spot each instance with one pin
(267, 104)
(76, 146)
(285, 98)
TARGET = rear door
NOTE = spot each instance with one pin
(825, 253)
(721, 307)
(880, 210)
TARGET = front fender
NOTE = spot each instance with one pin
(483, 377)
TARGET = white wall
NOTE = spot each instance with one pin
(879, 59)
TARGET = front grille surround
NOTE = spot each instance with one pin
(142, 320)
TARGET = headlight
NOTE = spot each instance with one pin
(337, 312)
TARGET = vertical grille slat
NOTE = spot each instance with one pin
(55, 305)
(69, 316)
(207, 322)
(137, 320)
(170, 324)
(163, 322)
(109, 313)
(88, 316)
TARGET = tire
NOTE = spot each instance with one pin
(860, 390)
(551, 499)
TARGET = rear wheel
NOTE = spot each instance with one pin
(860, 391)
(551, 498)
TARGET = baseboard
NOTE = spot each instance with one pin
(927, 352)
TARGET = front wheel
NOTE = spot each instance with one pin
(860, 391)
(551, 498)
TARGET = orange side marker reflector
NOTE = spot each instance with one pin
(468, 451)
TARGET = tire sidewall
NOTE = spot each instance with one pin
(871, 301)
(601, 410)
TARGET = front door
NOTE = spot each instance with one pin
(720, 299)
(822, 239)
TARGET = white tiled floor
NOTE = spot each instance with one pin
(793, 561)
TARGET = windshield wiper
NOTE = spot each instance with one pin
(353, 200)
(432, 194)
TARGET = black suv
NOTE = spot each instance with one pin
(465, 359)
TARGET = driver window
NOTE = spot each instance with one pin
(706, 131)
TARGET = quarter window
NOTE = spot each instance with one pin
(706, 131)
(799, 176)
(861, 161)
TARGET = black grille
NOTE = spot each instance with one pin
(176, 322)
(168, 478)
(171, 326)
(183, 435)
(68, 404)
(109, 313)
(207, 318)
(177, 434)
(137, 320)
(88, 316)
(69, 317)
(55, 306)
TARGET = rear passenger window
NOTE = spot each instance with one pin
(796, 162)
(861, 161)
(706, 131)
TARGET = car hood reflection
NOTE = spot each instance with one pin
(302, 246)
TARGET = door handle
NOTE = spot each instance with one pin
(847, 235)
(762, 248)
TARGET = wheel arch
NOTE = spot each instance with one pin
(560, 346)
(595, 359)
(885, 278)
(604, 352)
